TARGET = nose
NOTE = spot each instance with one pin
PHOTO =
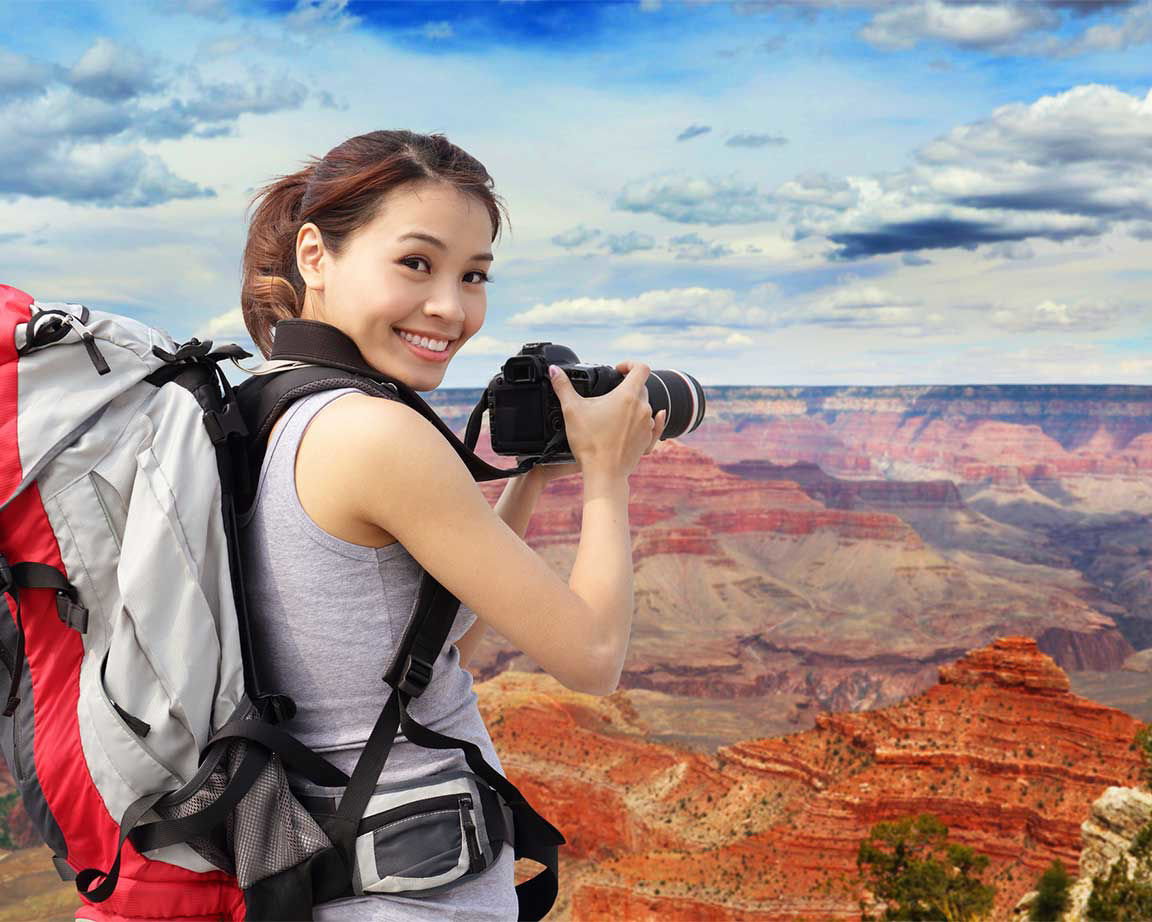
(446, 302)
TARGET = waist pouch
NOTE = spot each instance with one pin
(424, 836)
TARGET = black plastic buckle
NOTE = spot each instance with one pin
(222, 424)
(415, 676)
(72, 613)
(193, 349)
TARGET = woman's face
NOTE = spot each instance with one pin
(382, 283)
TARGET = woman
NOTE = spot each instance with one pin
(387, 238)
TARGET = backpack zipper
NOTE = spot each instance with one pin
(89, 343)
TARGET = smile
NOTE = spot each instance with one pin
(429, 355)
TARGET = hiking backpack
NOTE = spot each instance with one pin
(134, 721)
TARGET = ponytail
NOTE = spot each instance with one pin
(272, 289)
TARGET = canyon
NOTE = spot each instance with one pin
(851, 604)
(825, 549)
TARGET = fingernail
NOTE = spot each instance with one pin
(553, 371)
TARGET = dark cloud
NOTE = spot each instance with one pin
(1081, 202)
(935, 234)
(693, 131)
(1067, 166)
(1087, 7)
(112, 178)
(21, 75)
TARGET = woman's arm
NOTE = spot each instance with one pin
(515, 507)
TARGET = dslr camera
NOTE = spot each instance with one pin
(524, 412)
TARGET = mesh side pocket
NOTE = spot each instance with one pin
(267, 832)
(214, 848)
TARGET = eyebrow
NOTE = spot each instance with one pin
(436, 242)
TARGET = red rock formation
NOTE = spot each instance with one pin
(747, 586)
(767, 829)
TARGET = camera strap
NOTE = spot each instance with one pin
(316, 343)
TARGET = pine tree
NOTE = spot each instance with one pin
(910, 865)
(1052, 896)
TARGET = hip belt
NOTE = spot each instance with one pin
(424, 836)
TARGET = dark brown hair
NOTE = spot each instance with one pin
(340, 193)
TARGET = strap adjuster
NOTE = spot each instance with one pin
(72, 613)
(221, 424)
(415, 676)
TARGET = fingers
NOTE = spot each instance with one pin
(636, 375)
(658, 422)
(561, 384)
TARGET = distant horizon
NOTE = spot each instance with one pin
(874, 387)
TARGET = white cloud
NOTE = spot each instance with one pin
(1059, 316)
(1066, 166)
(436, 30)
(490, 346)
(321, 15)
(575, 236)
(115, 71)
(671, 307)
(694, 200)
(971, 25)
(861, 307)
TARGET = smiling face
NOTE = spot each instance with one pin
(386, 280)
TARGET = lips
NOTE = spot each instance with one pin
(429, 335)
(426, 354)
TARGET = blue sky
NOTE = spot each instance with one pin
(761, 192)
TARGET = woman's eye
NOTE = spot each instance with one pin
(484, 277)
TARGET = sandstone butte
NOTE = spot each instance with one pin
(767, 829)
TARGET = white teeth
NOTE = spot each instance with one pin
(436, 345)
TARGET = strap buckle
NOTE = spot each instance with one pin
(415, 676)
(222, 424)
(71, 612)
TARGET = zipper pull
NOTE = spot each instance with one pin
(475, 856)
(94, 353)
(89, 342)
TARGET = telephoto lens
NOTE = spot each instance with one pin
(681, 395)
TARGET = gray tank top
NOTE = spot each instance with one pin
(327, 616)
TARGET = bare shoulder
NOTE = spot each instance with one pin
(329, 468)
(378, 462)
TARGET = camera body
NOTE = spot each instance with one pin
(525, 415)
(524, 412)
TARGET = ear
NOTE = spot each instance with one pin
(310, 254)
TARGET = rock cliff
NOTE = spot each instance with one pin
(767, 829)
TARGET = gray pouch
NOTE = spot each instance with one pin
(425, 836)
